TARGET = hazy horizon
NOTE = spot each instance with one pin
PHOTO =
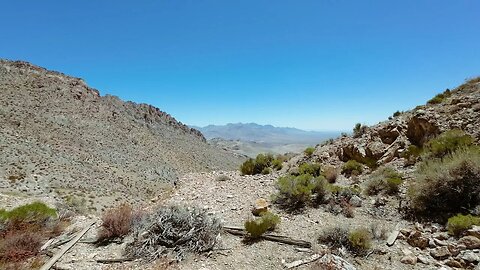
(312, 65)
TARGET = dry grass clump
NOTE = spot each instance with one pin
(330, 173)
(447, 186)
(116, 223)
(176, 230)
(357, 241)
(222, 177)
(439, 98)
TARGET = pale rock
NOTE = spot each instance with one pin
(471, 242)
(474, 231)
(261, 205)
(409, 259)
(355, 201)
(470, 256)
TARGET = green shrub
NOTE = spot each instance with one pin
(33, 212)
(359, 130)
(412, 153)
(320, 189)
(293, 192)
(314, 169)
(360, 240)
(277, 164)
(396, 114)
(460, 223)
(446, 143)
(257, 165)
(257, 227)
(352, 167)
(439, 98)
(248, 167)
(266, 170)
(384, 180)
(446, 186)
(309, 151)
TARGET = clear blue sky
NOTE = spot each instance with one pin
(317, 64)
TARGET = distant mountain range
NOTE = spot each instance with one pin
(251, 139)
(265, 133)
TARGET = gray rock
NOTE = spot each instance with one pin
(470, 256)
(355, 201)
(440, 253)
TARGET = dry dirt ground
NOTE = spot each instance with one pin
(232, 201)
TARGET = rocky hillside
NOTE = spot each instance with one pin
(388, 140)
(61, 137)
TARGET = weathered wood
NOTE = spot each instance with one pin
(119, 260)
(57, 256)
(298, 263)
(270, 237)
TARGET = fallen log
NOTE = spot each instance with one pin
(270, 237)
(57, 256)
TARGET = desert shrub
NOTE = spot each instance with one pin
(257, 227)
(446, 186)
(334, 237)
(248, 167)
(330, 173)
(352, 167)
(266, 171)
(277, 164)
(446, 143)
(314, 169)
(257, 165)
(320, 190)
(384, 180)
(460, 223)
(412, 153)
(396, 114)
(309, 151)
(17, 246)
(29, 213)
(293, 192)
(116, 223)
(359, 130)
(439, 98)
(176, 230)
(24, 228)
(360, 240)
(222, 178)
(357, 241)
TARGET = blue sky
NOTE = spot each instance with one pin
(319, 64)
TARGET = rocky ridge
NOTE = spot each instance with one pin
(61, 137)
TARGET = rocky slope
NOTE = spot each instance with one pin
(61, 137)
(386, 141)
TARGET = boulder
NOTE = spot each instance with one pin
(261, 205)
(420, 130)
(417, 240)
(409, 259)
(471, 242)
(440, 253)
(474, 231)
